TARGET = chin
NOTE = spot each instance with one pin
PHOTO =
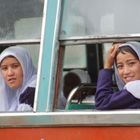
(13, 87)
(131, 80)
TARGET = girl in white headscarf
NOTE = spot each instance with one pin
(126, 59)
(18, 80)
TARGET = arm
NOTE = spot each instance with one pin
(106, 99)
(110, 56)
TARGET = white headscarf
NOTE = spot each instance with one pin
(11, 96)
(83, 75)
(84, 78)
(134, 86)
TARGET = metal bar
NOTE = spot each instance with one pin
(78, 40)
(60, 119)
(15, 42)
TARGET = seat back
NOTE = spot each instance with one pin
(81, 97)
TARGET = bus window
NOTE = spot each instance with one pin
(77, 94)
(96, 30)
(74, 58)
(21, 25)
(20, 19)
(80, 69)
(34, 50)
(94, 17)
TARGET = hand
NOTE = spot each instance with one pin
(111, 55)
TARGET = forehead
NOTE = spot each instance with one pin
(9, 59)
(125, 56)
(127, 48)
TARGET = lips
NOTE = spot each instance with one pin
(128, 79)
(11, 80)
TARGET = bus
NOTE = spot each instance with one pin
(64, 36)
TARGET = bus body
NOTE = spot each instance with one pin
(63, 35)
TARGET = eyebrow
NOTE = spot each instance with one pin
(132, 59)
(128, 60)
(10, 64)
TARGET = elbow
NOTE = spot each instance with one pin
(99, 106)
(102, 106)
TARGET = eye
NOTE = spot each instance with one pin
(16, 65)
(4, 68)
(131, 63)
(119, 66)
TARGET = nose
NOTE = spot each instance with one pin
(10, 71)
(126, 70)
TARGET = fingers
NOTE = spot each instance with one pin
(114, 49)
(110, 56)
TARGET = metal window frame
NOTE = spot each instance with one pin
(66, 119)
(42, 116)
(78, 40)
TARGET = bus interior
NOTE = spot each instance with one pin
(81, 65)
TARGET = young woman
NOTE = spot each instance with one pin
(18, 80)
(126, 60)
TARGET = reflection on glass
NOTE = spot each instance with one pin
(100, 17)
(75, 57)
(20, 19)
(34, 51)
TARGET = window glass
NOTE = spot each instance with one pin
(75, 57)
(100, 17)
(20, 19)
(80, 72)
(34, 52)
(106, 47)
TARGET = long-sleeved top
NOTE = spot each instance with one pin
(27, 97)
(107, 99)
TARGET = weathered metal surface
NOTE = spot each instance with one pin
(71, 133)
(77, 40)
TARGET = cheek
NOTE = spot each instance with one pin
(120, 73)
(136, 69)
(3, 74)
(20, 74)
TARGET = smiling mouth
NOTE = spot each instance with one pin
(128, 78)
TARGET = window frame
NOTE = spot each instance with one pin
(99, 118)
(49, 75)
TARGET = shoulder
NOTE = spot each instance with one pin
(29, 91)
(27, 96)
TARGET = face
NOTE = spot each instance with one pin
(128, 67)
(12, 72)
